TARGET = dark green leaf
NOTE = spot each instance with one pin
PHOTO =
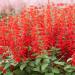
(19, 72)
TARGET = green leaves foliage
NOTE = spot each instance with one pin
(43, 65)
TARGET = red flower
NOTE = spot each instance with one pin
(40, 29)
(1, 51)
(17, 59)
(73, 59)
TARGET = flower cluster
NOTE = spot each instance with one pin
(34, 30)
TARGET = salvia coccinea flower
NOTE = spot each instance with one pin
(37, 29)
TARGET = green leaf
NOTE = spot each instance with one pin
(55, 70)
(13, 63)
(53, 58)
(46, 61)
(7, 65)
(59, 63)
(23, 66)
(67, 67)
(73, 68)
(0, 72)
(0, 16)
(32, 64)
(73, 73)
(49, 73)
(45, 56)
(37, 61)
(37, 69)
(68, 73)
(43, 67)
